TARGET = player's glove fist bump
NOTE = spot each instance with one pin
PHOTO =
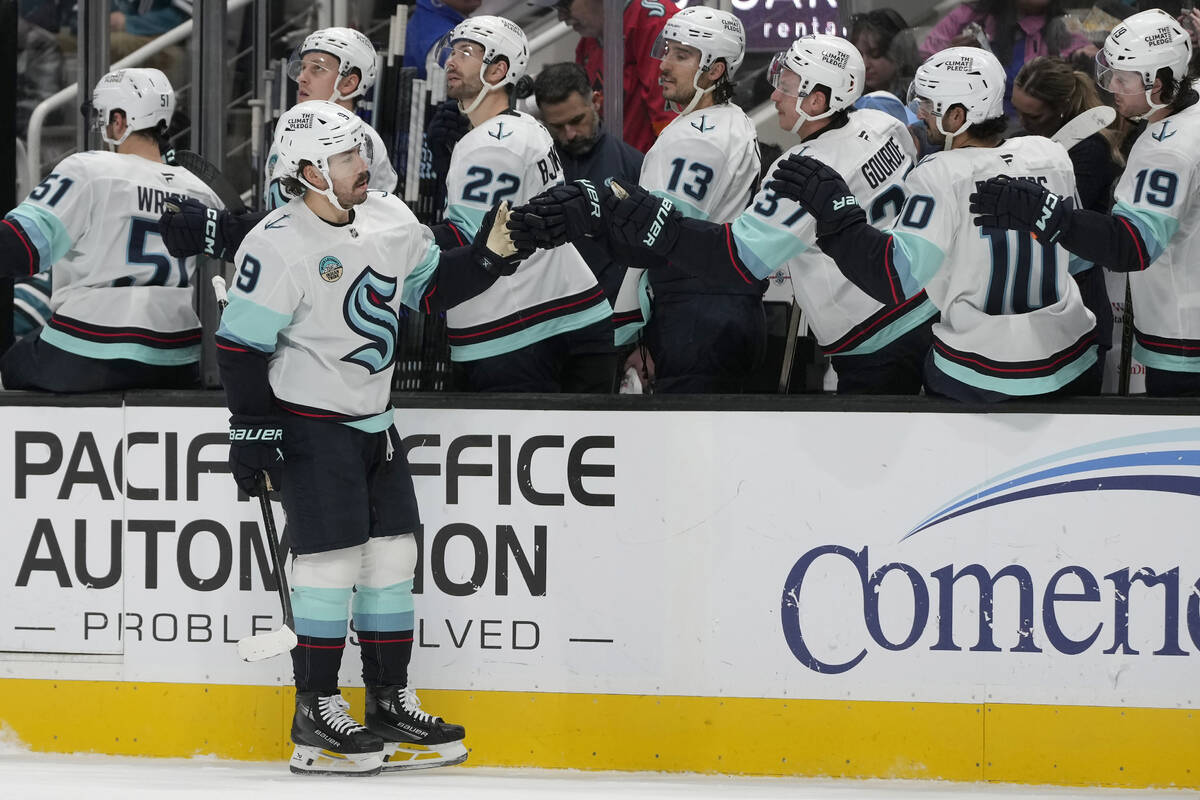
(562, 214)
(820, 189)
(639, 220)
(495, 249)
(189, 228)
(1020, 204)
(255, 447)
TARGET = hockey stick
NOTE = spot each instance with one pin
(1126, 363)
(278, 642)
(204, 169)
(1089, 123)
(789, 347)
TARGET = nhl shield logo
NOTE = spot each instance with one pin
(330, 269)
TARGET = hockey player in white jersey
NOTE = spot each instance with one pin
(335, 64)
(876, 347)
(1012, 321)
(704, 333)
(306, 350)
(549, 327)
(1154, 229)
(122, 314)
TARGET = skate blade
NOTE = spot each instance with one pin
(403, 756)
(317, 761)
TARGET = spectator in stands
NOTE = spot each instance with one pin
(571, 112)
(644, 113)
(1017, 31)
(135, 23)
(1048, 93)
(432, 20)
(888, 49)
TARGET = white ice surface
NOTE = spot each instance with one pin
(37, 776)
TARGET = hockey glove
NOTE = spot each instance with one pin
(562, 214)
(255, 446)
(1020, 204)
(640, 221)
(493, 248)
(820, 189)
(189, 228)
(447, 126)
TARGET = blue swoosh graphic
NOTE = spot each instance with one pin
(1164, 458)
(1155, 438)
(1174, 484)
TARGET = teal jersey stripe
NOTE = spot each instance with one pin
(535, 333)
(394, 599)
(624, 334)
(251, 324)
(916, 260)
(399, 621)
(418, 280)
(1156, 229)
(176, 356)
(380, 422)
(321, 629)
(321, 604)
(1018, 387)
(893, 331)
(1165, 361)
(685, 208)
(46, 232)
(1077, 265)
(764, 248)
(466, 218)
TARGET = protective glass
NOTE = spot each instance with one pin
(92, 118)
(919, 105)
(781, 76)
(349, 163)
(1117, 81)
(317, 65)
(461, 50)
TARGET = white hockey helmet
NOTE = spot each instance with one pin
(314, 131)
(351, 48)
(499, 38)
(1143, 44)
(967, 76)
(819, 60)
(716, 34)
(144, 95)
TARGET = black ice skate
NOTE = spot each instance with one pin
(413, 739)
(331, 742)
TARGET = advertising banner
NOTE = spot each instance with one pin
(1008, 558)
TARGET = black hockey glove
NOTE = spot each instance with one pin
(189, 228)
(562, 214)
(446, 127)
(255, 446)
(1021, 205)
(639, 220)
(820, 189)
(493, 248)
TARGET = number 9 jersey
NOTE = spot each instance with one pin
(117, 293)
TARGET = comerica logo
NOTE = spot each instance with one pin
(932, 599)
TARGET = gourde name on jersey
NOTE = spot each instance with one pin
(512, 157)
(1013, 320)
(872, 151)
(117, 292)
(324, 301)
(1157, 196)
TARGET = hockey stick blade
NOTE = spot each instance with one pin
(267, 645)
(1089, 123)
(204, 169)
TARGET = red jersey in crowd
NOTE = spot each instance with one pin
(645, 112)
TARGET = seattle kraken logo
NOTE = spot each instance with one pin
(367, 313)
(704, 127)
(1162, 134)
(499, 132)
